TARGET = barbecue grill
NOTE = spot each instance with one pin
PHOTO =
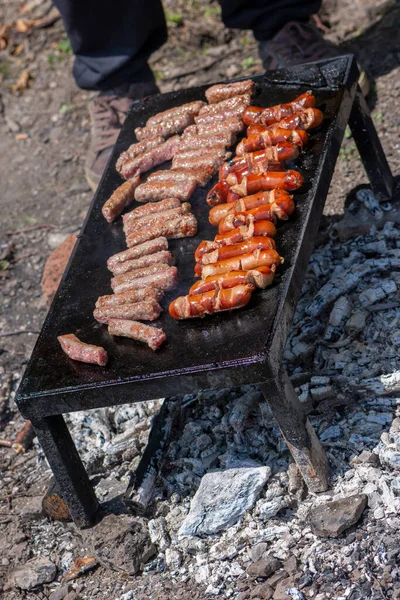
(227, 350)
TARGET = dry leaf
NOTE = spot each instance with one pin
(18, 50)
(21, 136)
(22, 25)
(23, 82)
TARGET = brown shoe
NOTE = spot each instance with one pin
(107, 114)
(298, 43)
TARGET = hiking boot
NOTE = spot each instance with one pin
(298, 43)
(107, 115)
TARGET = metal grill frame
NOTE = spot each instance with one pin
(91, 387)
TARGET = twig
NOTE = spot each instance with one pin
(5, 443)
(24, 438)
(31, 228)
(17, 332)
(27, 255)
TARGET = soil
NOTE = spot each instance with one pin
(44, 135)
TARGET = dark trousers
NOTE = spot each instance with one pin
(112, 40)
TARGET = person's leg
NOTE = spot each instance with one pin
(266, 17)
(112, 40)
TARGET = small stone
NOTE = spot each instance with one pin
(331, 433)
(280, 591)
(366, 458)
(173, 558)
(120, 542)
(222, 498)
(277, 577)
(262, 590)
(33, 573)
(263, 568)
(379, 513)
(332, 518)
(54, 267)
(60, 593)
(290, 564)
(28, 508)
(256, 553)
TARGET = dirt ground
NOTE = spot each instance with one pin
(44, 135)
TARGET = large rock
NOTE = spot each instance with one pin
(34, 572)
(222, 497)
(332, 518)
(120, 542)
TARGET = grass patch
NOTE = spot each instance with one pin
(173, 17)
(248, 62)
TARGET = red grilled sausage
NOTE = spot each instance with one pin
(208, 303)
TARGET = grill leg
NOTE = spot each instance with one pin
(370, 149)
(67, 467)
(297, 431)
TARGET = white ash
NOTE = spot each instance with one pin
(343, 350)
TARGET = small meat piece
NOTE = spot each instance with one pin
(148, 247)
(202, 174)
(213, 151)
(152, 336)
(165, 128)
(136, 149)
(191, 108)
(144, 261)
(130, 297)
(77, 350)
(198, 161)
(184, 226)
(208, 303)
(238, 103)
(122, 197)
(150, 209)
(118, 280)
(191, 142)
(171, 176)
(162, 280)
(220, 117)
(147, 220)
(146, 310)
(150, 159)
(234, 125)
(221, 91)
(152, 191)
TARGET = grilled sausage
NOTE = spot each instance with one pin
(261, 278)
(129, 297)
(77, 350)
(257, 161)
(255, 243)
(152, 336)
(256, 182)
(145, 310)
(244, 262)
(280, 209)
(122, 197)
(221, 91)
(208, 303)
(184, 226)
(274, 114)
(150, 247)
(217, 213)
(271, 137)
(144, 261)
